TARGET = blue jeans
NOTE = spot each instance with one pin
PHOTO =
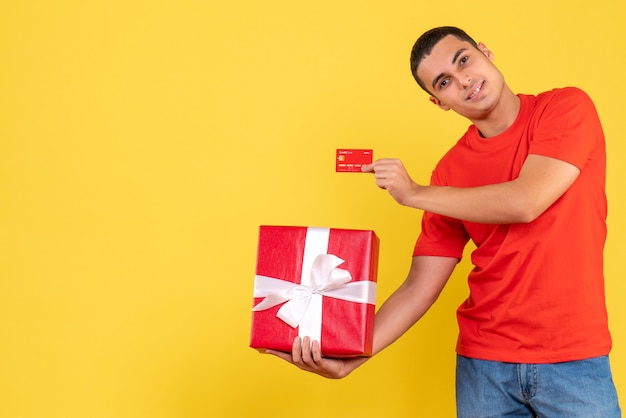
(577, 389)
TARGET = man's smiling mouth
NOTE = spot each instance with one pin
(476, 90)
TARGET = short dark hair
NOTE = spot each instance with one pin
(425, 44)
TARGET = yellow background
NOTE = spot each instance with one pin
(142, 143)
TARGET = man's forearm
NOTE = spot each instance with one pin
(492, 204)
(540, 183)
(542, 180)
(426, 279)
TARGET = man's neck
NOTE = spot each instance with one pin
(500, 118)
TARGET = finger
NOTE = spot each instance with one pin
(375, 166)
(381, 181)
(306, 350)
(316, 351)
(296, 349)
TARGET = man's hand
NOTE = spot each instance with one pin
(391, 175)
(308, 356)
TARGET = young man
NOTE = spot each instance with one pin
(526, 185)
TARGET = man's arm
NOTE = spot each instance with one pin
(425, 281)
(542, 180)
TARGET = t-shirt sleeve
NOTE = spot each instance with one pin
(568, 129)
(441, 235)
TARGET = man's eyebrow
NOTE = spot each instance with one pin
(436, 80)
(454, 58)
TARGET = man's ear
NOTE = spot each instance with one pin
(483, 48)
(438, 102)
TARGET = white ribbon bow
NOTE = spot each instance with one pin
(326, 279)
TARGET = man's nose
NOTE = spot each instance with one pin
(465, 80)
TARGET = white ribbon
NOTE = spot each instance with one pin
(320, 277)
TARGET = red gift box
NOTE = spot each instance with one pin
(316, 282)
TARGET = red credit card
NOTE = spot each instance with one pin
(351, 160)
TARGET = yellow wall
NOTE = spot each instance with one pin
(142, 143)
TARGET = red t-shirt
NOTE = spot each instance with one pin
(537, 289)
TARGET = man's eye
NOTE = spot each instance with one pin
(463, 60)
(443, 83)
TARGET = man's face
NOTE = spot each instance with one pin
(462, 78)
